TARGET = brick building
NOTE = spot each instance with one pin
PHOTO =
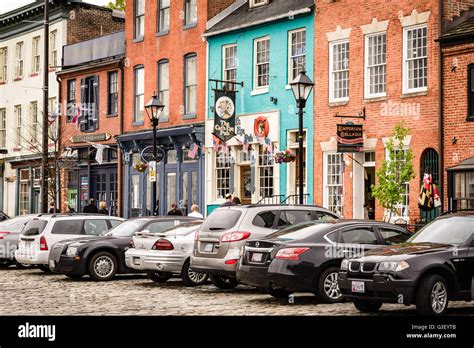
(167, 55)
(458, 109)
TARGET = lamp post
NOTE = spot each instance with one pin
(154, 109)
(301, 87)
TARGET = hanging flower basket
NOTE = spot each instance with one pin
(285, 156)
(140, 167)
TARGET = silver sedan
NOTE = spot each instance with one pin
(164, 254)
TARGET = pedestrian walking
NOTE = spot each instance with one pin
(174, 210)
(91, 207)
(103, 208)
(228, 201)
(195, 212)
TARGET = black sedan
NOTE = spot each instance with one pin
(306, 257)
(435, 266)
(103, 257)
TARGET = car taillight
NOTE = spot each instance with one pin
(292, 254)
(234, 237)
(196, 236)
(231, 262)
(3, 234)
(162, 244)
(43, 244)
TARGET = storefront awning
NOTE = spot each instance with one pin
(467, 164)
(163, 133)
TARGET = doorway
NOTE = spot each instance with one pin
(245, 184)
(369, 200)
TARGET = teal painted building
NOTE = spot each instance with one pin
(264, 45)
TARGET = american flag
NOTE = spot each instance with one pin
(193, 152)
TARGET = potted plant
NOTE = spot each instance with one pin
(285, 156)
(140, 167)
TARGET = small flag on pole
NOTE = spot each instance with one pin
(193, 152)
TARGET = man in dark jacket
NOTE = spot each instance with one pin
(175, 211)
(228, 201)
(91, 208)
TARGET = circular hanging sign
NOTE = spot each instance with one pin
(147, 154)
(225, 107)
(261, 127)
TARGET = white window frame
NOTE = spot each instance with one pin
(222, 164)
(3, 128)
(332, 99)
(34, 121)
(256, 87)
(18, 116)
(403, 205)
(291, 57)
(257, 3)
(53, 54)
(36, 56)
(19, 66)
(367, 82)
(164, 88)
(326, 184)
(138, 20)
(262, 164)
(3, 64)
(225, 68)
(406, 89)
(53, 128)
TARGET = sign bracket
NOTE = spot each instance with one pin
(361, 115)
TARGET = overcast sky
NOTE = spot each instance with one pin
(8, 5)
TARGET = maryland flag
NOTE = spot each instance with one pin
(429, 195)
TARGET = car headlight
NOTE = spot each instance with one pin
(344, 265)
(71, 251)
(393, 266)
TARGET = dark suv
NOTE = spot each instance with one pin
(434, 266)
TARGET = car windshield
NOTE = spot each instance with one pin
(300, 231)
(221, 220)
(15, 224)
(127, 228)
(183, 229)
(454, 230)
(34, 227)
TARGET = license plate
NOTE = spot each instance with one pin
(209, 247)
(51, 264)
(358, 287)
(136, 261)
(257, 257)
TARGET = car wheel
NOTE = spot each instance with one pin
(5, 263)
(367, 307)
(224, 282)
(103, 266)
(279, 293)
(192, 278)
(431, 298)
(159, 277)
(328, 288)
(73, 275)
(44, 268)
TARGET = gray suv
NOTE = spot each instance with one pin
(219, 242)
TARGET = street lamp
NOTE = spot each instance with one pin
(154, 110)
(301, 87)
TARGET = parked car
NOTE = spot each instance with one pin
(9, 235)
(42, 232)
(225, 231)
(436, 265)
(3, 216)
(306, 257)
(166, 253)
(102, 257)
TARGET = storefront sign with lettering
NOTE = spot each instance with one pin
(350, 138)
(224, 115)
(84, 138)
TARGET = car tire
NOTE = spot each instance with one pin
(224, 282)
(159, 277)
(192, 278)
(432, 296)
(45, 269)
(367, 306)
(279, 293)
(103, 266)
(5, 263)
(328, 289)
(73, 276)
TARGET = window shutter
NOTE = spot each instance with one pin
(84, 108)
(231, 175)
(95, 110)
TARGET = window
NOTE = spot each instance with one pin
(393, 236)
(265, 167)
(163, 16)
(297, 53)
(164, 87)
(139, 94)
(190, 85)
(471, 92)
(139, 19)
(339, 71)
(53, 127)
(89, 120)
(221, 220)
(3, 128)
(359, 236)
(463, 191)
(67, 227)
(264, 219)
(35, 61)
(71, 100)
(257, 3)
(160, 226)
(112, 98)
(402, 208)
(190, 13)
(415, 56)
(3, 64)
(24, 202)
(53, 50)
(17, 114)
(95, 227)
(292, 217)
(222, 173)
(19, 60)
(375, 65)
(333, 180)
(34, 122)
(262, 62)
(230, 65)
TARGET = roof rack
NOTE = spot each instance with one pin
(454, 211)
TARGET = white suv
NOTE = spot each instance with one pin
(40, 233)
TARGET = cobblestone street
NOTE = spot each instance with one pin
(32, 292)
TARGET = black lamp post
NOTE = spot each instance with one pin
(301, 87)
(154, 110)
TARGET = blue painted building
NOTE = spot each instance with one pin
(262, 44)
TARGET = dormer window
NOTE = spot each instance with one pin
(258, 3)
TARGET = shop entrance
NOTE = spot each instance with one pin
(245, 185)
(369, 205)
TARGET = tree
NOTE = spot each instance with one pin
(395, 171)
(118, 5)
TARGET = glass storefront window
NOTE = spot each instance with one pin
(172, 156)
(135, 192)
(171, 189)
(464, 190)
(184, 204)
(265, 163)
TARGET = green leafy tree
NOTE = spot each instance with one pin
(395, 171)
(118, 5)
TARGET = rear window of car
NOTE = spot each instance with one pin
(300, 231)
(127, 228)
(221, 220)
(34, 227)
(115, 223)
(264, 219)
(97, 227)
(292, 217)
(67, 227)
(159, 226)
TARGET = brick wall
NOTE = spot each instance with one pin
(89, 22)
(216, 6)
(350, 14)
(454, 8)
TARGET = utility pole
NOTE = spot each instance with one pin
(45, 150)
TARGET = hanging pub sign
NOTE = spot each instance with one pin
(350, 138)
(224, 114)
